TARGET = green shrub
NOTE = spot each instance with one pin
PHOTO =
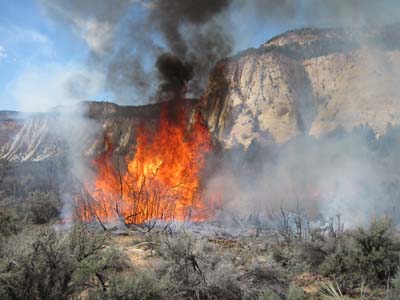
(314, 253)
(197, 270)
(42, 263)
(370, 256)
(289, 258)
(394, 291)
(42, 207)
(295, 293)
(134, 285)
(268, 294)
(36, 208)
(10, 221)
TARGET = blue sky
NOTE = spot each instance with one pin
(37, 53)
(30, 41)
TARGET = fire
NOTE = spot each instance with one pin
(161, 181)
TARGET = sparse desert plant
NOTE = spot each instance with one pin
(289, 258)
(314, 253)
(42, 207)
(37, 207)
(378, 250)
(271, 276)
(394, 290)
(42, 263)
(196, 269)
(268, 294)
(134, 285)
(295, 293)
(331, 291)
(33, 266)
(10, 221)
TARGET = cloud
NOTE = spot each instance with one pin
(40, 88)
(97, 34)
(93, 21)
(3, 52)
(25, 43)
(14, 34)
(34, 35)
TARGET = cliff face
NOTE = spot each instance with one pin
(261, 93)
(354, 89)
(10, 124)
(306, 81)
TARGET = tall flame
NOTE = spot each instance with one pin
(162, 181)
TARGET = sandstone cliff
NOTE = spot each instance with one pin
(306, 81)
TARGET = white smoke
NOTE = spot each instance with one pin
(40, 88)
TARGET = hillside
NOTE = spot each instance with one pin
(80, 128)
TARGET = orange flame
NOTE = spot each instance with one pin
(162, 181)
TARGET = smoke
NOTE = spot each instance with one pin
(139, 44)
(352, 175)
(41, 89)
(173, 74)
(194, 37)
(328, 13)
(57, 89)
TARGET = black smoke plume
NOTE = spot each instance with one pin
(174, 74)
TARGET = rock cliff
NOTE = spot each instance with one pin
(306, 81)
